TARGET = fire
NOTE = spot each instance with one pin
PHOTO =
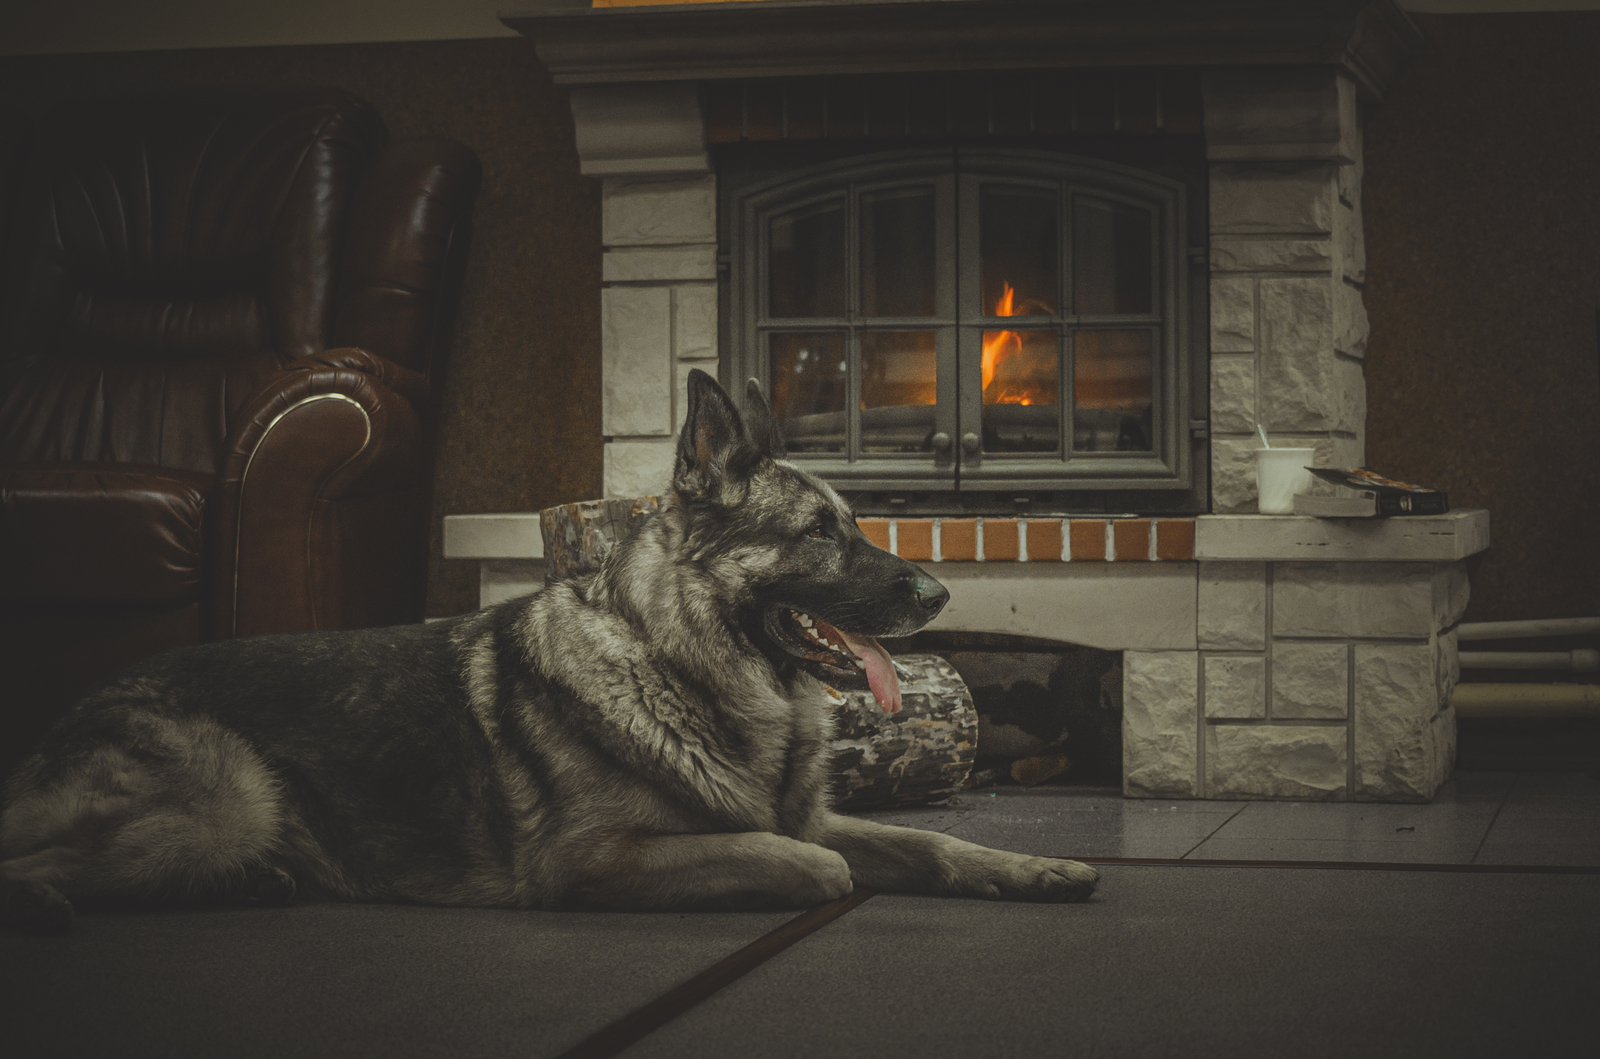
(1001, 346)
(998, 345)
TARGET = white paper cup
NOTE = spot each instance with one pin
(1280, 474)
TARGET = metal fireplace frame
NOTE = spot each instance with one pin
(960, 475)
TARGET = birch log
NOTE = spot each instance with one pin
(880, 761)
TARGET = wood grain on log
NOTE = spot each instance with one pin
(578, 537)
(921, 754)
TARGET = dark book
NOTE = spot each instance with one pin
(1389, 496)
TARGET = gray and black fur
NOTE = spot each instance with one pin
(651, 736)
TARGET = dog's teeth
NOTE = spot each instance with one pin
(860, 664)
(805, 619)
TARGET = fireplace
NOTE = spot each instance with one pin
(1125, 242)
(968, 328)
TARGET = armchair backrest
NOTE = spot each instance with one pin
(166, 254)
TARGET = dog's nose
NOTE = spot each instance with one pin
(931, 595)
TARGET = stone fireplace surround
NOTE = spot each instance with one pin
(1272, 657)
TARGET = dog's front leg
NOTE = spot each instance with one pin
(753, 869)
(905, 860)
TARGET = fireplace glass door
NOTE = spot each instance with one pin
(968, 322)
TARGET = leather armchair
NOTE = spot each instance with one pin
(223, 319)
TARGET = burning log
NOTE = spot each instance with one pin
(880, 761)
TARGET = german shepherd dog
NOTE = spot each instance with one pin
(650, 736)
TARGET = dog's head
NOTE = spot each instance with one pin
(814, 592)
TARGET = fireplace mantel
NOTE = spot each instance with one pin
(1368, 41)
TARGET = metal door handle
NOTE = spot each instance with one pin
(971, 443)
(940, 442)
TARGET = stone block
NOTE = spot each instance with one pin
(1446, 664)
(1444, 746)
(1231, 613)
(649, 264)
(1277, 199)
(644, 212)
(1275, 761)
(1350, 325)
(1451, 593)
(1233, 315)
(1349, 245)
(640, 467)
(1233, 393)
(694, 322)
(1352, 392)
(636, 359)
(1236, 686)
(1160, 699)
(1255, 254)
(1233, 475)
(1298, 389)
(1396, 702)
(1353, 599)
(1311, 681)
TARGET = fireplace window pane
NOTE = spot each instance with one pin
(1111, 258)
(1021, 391)
(1112, 373)
(898, 391)
(897, 253)
(1017, 248)
(807, 261)
(810, 380)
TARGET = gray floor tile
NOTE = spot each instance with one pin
(1546, 828)
(1361, 821)
(1084, 834)
(350, 980)
(1377, 851)
(1242, 963)
(1586, 855)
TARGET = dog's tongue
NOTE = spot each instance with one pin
(880, 670)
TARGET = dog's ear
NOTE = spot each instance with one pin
(764, 431)
(713, 441)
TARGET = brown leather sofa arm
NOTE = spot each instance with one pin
(321, 468)
(412, 385)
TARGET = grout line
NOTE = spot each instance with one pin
(1346, 865)
(650, 1017)
(1484, 840)
(1213, 832)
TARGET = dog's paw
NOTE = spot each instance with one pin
(824, 877)
(1045, 879)
(35, 908)
(268, 887)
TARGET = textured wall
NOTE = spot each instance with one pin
(1482, 208)
(521, 418)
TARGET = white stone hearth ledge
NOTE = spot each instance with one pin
(1300, 538)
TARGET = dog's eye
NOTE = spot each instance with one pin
(817, 532)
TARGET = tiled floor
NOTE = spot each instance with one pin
(1233, 961)
(1529, 818)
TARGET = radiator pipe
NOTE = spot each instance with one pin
(1582, 660)
(1522, 630)
(1526, 700)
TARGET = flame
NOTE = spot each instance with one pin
(1001, 346)
(998, 345)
